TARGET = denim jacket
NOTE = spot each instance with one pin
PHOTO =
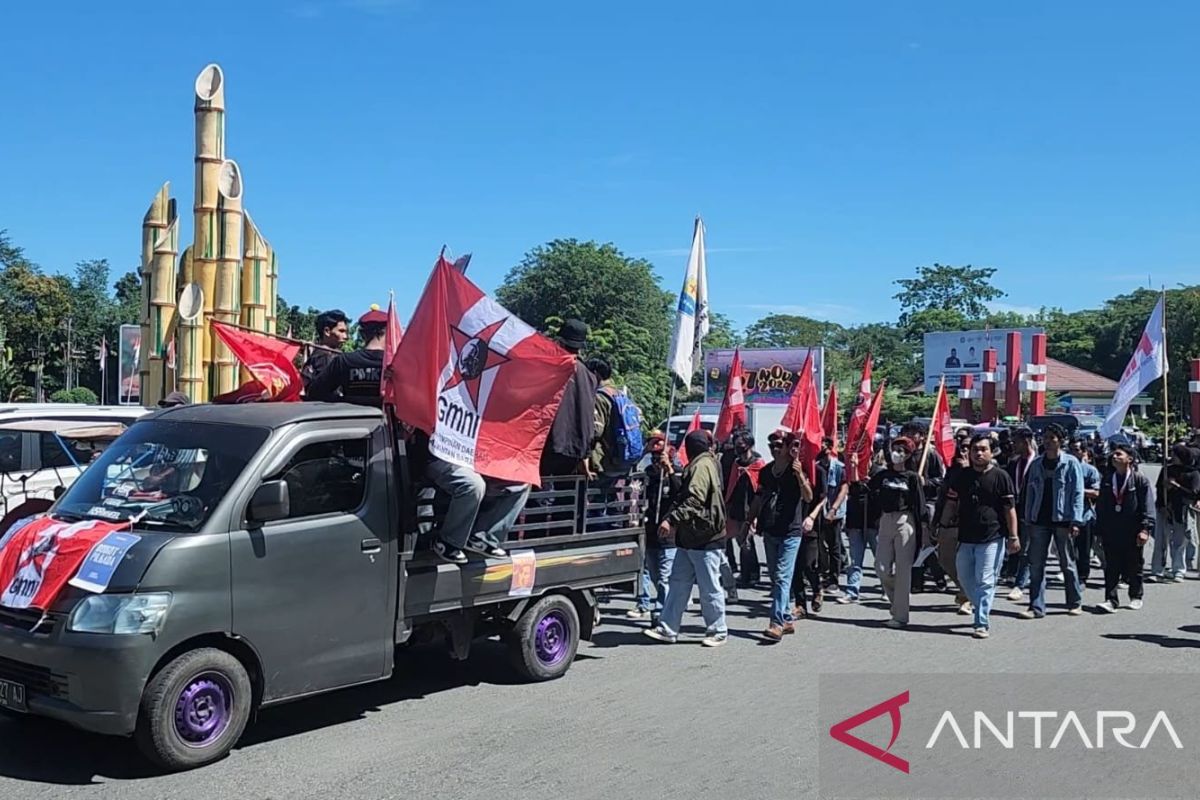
(1067, 504)
(1091, 480)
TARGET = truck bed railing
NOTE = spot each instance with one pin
(566, 507)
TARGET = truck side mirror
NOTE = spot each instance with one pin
(270, 502)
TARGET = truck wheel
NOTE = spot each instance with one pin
(544, 641)
(194, 710)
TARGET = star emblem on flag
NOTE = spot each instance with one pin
(474, 356)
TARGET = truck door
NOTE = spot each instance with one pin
(311, 592)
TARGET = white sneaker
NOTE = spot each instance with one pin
(714, 640)
(1136, 605)
(1016, 594)
(966, 608)
(1075, 612)
(1179, 577)
(1107, 607)
(981, 633)
(637, 613)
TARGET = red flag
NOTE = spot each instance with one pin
(863, 442)
(484, 385)
(268, 359)
(829, 414)
(694, 425)
(733, 406)
(862, 408)
(795, 408)
(941, 432)
(38, 559)
(391, 343)
(803, 417)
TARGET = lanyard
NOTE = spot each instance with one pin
(1120, 496)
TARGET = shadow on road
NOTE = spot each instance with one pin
(1162, 640)
(36, 749)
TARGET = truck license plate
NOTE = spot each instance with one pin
(12, 696)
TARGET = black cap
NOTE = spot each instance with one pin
(573, 334)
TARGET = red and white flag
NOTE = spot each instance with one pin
(38, 559)
(269, 360)
(941, 432)
(483, 384)
(694, 425)
(829, 414)
(391, 344)
(1148, 363)
(171, 353)
(733, 406)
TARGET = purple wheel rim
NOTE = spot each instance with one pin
(203, 709)
(552, 639)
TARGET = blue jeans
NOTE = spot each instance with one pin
(656, 572)
(692, 567)
(1039, 550)
(978, 565)
(781, 564)
(859, 542)
(1016, 567)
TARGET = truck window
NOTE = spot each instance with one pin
(327, 477)
(10, 452)
(53, 454)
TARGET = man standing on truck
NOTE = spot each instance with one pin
(696, 519)
(355, 376)
(332, 332)
(573, 431)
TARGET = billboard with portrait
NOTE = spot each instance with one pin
(958, 353)
(769, 373)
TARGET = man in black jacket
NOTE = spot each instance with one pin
(1125, 517)
(660, 551)
(573, 431)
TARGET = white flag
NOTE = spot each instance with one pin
(691, 320)
(1148, 363)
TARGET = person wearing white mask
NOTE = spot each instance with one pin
(898, 495)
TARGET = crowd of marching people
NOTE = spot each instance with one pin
(985, 526)
(985, 520)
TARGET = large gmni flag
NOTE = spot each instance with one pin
(691, 318)
(1148, 363)
(39, 556)
(483, 384)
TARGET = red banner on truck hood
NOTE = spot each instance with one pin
(37, 560)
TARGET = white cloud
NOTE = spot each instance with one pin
(1006, 308)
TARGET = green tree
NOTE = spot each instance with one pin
(80, 394)
(791, 330)
(128, 289)
(302, 324)
(617, 295)
(966, 290)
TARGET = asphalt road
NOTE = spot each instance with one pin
(632, 718)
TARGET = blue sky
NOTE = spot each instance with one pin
(831, 147)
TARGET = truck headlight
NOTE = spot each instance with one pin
(121, 613)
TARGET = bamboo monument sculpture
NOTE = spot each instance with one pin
(228, 273)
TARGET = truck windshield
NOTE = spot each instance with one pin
(168, 475)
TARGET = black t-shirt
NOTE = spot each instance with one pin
(357, 374)
(738, 507)
(861, 510)
(1046, 510)
(984, 499)
(317, 361)
(776, 515)
(895, 492)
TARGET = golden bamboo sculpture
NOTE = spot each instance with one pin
(154, 228)
(256, 285)
(162, 308)
(273, 291)
(227, 302)
(189, 342)
(210, 155)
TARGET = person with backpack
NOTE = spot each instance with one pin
(696, 521)
(617, 445)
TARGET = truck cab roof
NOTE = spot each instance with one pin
(265, 415)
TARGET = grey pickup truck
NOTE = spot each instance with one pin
(280, 554)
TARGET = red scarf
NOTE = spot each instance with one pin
(751, 470)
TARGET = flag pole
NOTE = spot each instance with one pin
(1165, 379)
(937, 402)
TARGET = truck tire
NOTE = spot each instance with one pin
(194, 710)
(543, 642)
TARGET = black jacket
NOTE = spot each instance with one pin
(654, 484)
(1137, 507)
(574, 426)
